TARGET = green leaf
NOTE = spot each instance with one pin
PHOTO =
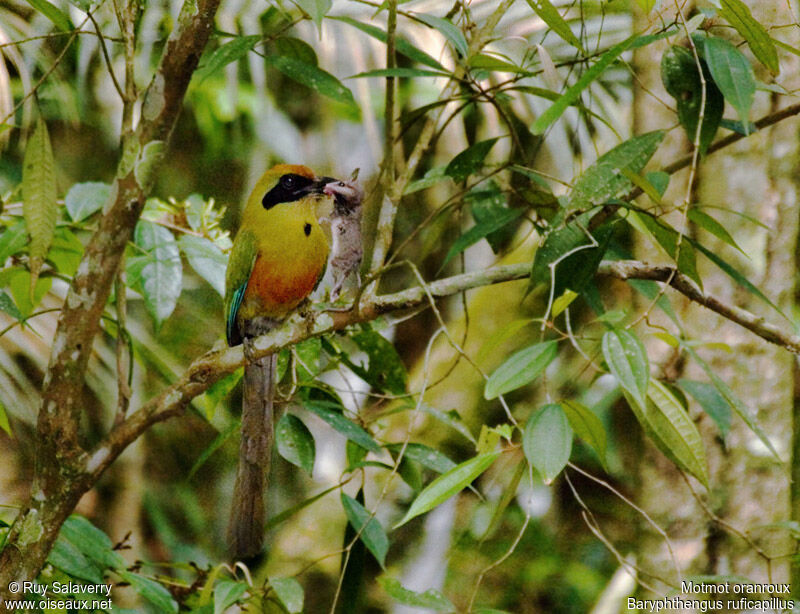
(482, 61)
(161, 275)
(19, 282)
(739, 16)
(66, 251)
(215, 445)
(53, 13)
(587, 426)
(12, 241)
(702, 219)
(403, 72)
(40, 208)
(290, 592)
(469, 161)
(92, 542)
(431, 177)
(4, 424)
(485, 205)
(673, 431)
(386, 370)
(226, 593)
(430, 599)
(8, 305)
(550, 15)
(295, 442)
(603, 180)
(482, 230)
(733, 75)
(668, 238)
(402, 46)
(372, 533)
(84, 199)
(659, 180)
(296, 48)
(151, 590)
(206, 259)
(450, 418)
(316, 9)
(346, 427)
(448, 484)
(646, 5)
(448, 30)
(627, 360)
(520, 369)
(67, 557)
(424, 455)
(314, 78)
(547, 441)
(712, 402)
(571, 95)
(288, 513)
(231, 51)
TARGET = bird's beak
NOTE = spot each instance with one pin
(319, 185)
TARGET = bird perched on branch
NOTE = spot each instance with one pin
(347, 249)
(278, 257)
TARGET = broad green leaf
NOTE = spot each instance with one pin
(12, 240)
(19, 283)
(40, 208)
(520, 369)
(219, 390)
(295, 442)
(296, 48)
(8, 305)
(53, 13)
(403, 72)
(448, 484)
(469, 161)
(712, 402)
(225, 54)
(550, 15)
(627, 360)
(215, 445)
(67, 557)
(424, 455)
(482, 230)
(485, 205)
(290, 592)
(673, 431)
(308, 354)
(571, 95)
(346, 427)
(563, 301)
(450, 418)
(603, 180)
(547, 441)
(587, 426)
(646, 5)
(431, 177)
(448, 30)
(92, 542)
(659, 180)
(206, 259)
(500, 336)
(66, 251)
(151, 590)
(385, 369)
(668, 238)
(226, 593)
(430, 599)
(372, 533)
(316, 9)
(733, 75)
(314, 78)
(161, 275)
(702, 219)
(489, 62)
(402, 46)
(737, 13)
(84, 199)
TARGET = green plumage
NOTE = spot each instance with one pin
(240, 266)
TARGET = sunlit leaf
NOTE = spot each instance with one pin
(314, 78)
(550, 15)
(151, 591)
(429, 600)
(292, 47)
(206, 259)
(295, 442)
(448, 30)
(547, 441)
(488, 62)
(12, 240)
(231, 51)
(4, 424)
(385, 370)
(290, 592)
(520, 369)
(346, 427)
(424, 455)
(84, 199)
(8, 305)
(627, 360)
(161, 273)
(702, 219)
(733, 75)
(372, 533)
(587, 426)
(226, 593)
(53, 13)
(737, 13)
(448, 484)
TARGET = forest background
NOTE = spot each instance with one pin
(570, 378)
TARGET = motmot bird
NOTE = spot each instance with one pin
(278, 257)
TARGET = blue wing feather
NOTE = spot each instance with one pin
(231, 329)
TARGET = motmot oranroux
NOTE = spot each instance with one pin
(278, 257)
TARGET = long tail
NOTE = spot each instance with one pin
(246, 525)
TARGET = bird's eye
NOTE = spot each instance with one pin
(288, 182)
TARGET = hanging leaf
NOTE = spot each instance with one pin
(679, 248)
(604, 180)
(448, 30)
(429, 600)
(733, 75)
(40, 208)
(53, 13)
(712, 402)
(424, 455)
(372, 533)
(206, 259)
(8, 305)
(231, 51)
(480, 231)
(66, 251)
(547, 441)
(587, 426)
(346, 427)
(151, 591)
(84, 199)
(469, 161)
(452, 419)
(316, 9)
(227, 593)
(520, 369)
(487, 204)
(550, 15)
(314, 78)
(4, 423)
(557, 109)
(295, 442)
(702, 219)
(448, 484)
(482, 61)
(12, 240)
(290, 592)
(385, 370)
(160, 277)
(737, 13)
(627, 360)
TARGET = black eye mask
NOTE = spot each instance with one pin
(291, 187)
